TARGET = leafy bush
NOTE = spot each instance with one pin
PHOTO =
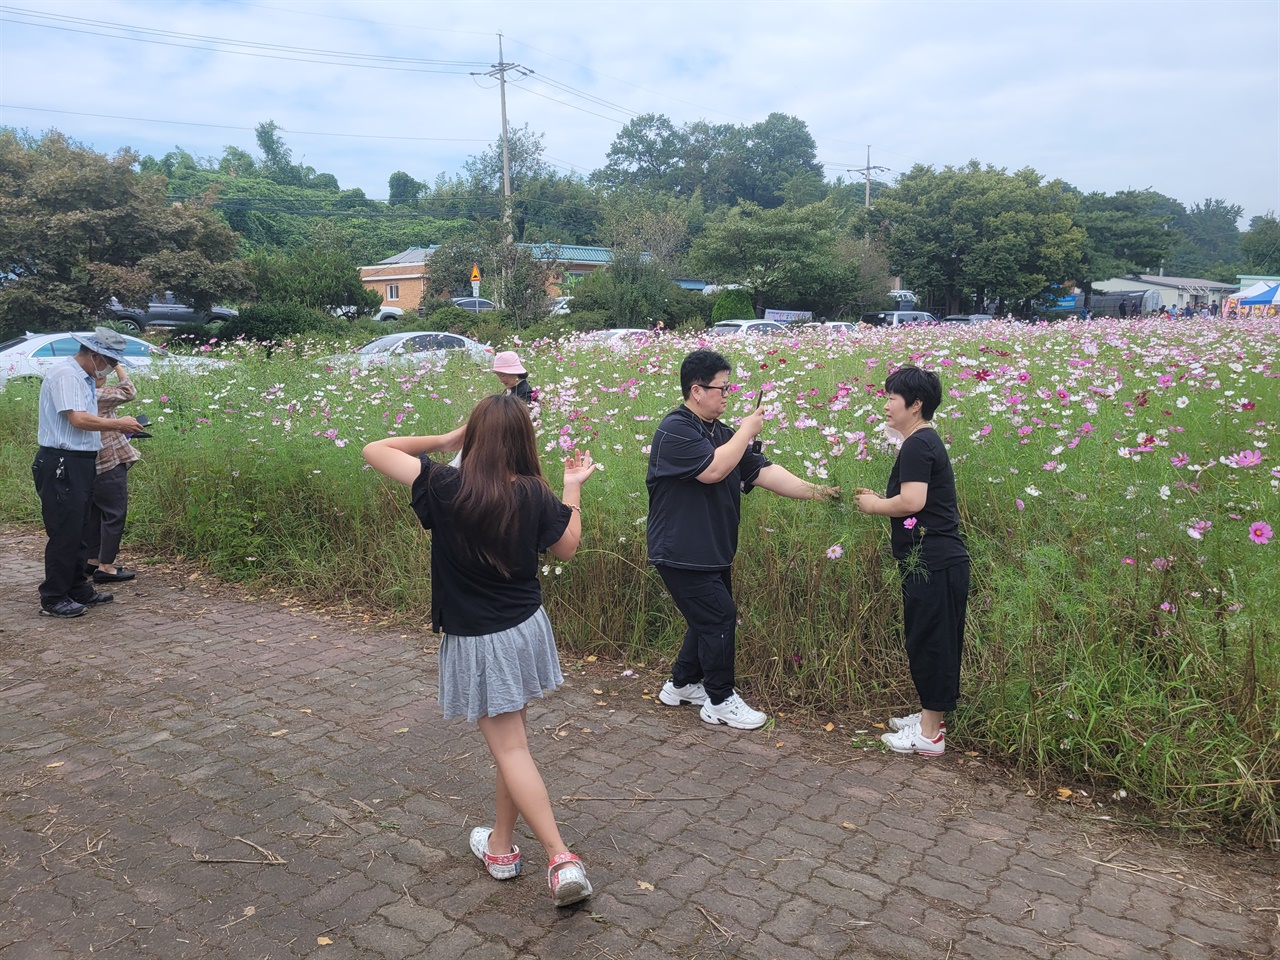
(733, 305)
(272, 322)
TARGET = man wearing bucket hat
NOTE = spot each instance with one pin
(66, 464)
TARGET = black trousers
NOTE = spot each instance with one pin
(933, 613)
(64, 482)
(107, 510)
(705, 597)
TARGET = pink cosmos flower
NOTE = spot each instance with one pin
(1245, 458)
(835, 552)
(1260, 532)
(1161, 563)
(1051, 465)
(1198, 529)
(1019, 504)
(909, 523)
(1179, 459)
(1128, 560)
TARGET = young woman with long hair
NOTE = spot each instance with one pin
(490, 519)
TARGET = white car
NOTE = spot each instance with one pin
(560, 307)
(747, 328)
(384, 314)
(618, 334)
(416, 346)
(32, 354)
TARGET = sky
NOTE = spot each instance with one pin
(1181, 97)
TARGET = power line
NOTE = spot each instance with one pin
(268, 51)
(224, 126)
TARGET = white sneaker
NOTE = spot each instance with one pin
(911, 740)
(733, 712)
(690, 694)
(911, 720)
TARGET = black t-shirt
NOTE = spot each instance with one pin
(923, 459)
(469, 597)
(524, 391)
(694, 525)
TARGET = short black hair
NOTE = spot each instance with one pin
(701, 367)
(912, 384)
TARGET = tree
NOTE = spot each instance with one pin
(1123, 236)
(726, 164)
(402, 189)
(1260, 247)
(647, 153)
(786, 258)
(980, 233)
(524, 152)
(320, 274)
(77, 228)
(512, 275)
(1208, 240)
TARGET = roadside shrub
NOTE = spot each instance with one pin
(272, 322)
(732, 305)
(687, 306)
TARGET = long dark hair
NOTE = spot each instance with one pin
(499, 463)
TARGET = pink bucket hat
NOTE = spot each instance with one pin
(508, 362)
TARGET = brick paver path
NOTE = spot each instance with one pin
(182, 723)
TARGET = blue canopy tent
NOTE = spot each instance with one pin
(1267, 297)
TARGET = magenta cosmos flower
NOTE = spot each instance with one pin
(1245, 458)
(1260, 532)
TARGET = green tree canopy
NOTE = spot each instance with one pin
(1260, 247)
(78, 227)
(980, 233)
(796, 259)
(766, 163)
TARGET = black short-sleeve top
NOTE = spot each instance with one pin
(470, 597)
(694, 525)
(935, 532)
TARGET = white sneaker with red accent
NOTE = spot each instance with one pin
(911, 740)
(910, 720)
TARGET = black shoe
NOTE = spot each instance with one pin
(120, 576)
(66, 608)
(90, 569)
(99, 598)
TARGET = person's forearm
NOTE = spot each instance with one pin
(82, 420)
(726, 458)
(416, 445)
(783, 482)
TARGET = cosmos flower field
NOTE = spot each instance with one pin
(1119, 484)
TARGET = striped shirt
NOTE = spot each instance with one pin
(67, 387)
(116, 448)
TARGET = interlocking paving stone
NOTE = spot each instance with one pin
(186, 718)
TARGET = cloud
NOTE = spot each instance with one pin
(1103, 95)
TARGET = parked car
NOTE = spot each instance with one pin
(897, 318)
(966, 318)
(618, 333)
(32, 354)
(746, 328)
(164, 311)
(474, 304)
(416, 346)
(384, 314)
(560, 307)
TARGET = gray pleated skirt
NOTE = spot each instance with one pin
(499, 672)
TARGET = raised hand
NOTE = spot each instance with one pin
(578, 468)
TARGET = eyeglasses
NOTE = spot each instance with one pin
(724, 389)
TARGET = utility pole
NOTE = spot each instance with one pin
(867, 172)
(500, 72)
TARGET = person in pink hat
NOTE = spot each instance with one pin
(513, 376)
